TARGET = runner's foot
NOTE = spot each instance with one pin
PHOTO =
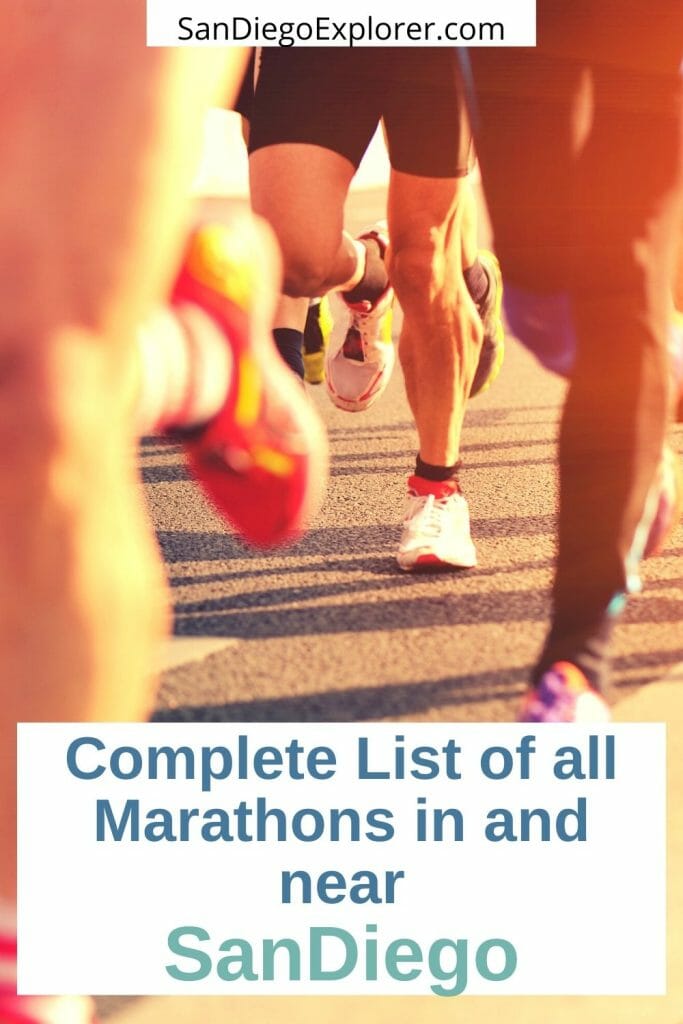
(262, 460)
(358, 372)
(436, 528)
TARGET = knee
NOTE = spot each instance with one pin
(33, 410)
(59, 390)
(307, 262)
(431, 290)
(304, 275)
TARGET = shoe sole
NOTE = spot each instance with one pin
(378, 231)
(373, 393)
(432, 564)
(590, 709)
(500, 331)
(357, 404)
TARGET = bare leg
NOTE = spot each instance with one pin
(300, 190)
(291, 313)
(96, 159)
(678, 278)
(442, 333)
(469, 246)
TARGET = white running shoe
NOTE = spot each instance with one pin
(436, 528)
(358, 371)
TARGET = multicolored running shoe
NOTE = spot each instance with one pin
(359, 370)
(563, 694)
(262, 460)
(317, 334)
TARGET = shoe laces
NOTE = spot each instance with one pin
(427, 513)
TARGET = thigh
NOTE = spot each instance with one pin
(522, 114)
(100, 144)
(244, 101)
(316, 97)
(579, 139)
(300, 190)
(426, 123)
(425, 232)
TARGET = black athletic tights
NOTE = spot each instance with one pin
(580, 147)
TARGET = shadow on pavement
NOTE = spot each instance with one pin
(359, 704)
(209, 618)
(188, 546)
(371, 703)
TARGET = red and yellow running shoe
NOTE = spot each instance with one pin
(262, 460)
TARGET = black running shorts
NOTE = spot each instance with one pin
(245, 97)
(335, 98)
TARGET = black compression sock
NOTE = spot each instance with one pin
(313, 335)
(375, 279)
(439, 474)
(289, 344)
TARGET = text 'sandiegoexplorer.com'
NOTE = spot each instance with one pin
(356, 23)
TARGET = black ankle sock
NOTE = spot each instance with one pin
(375, 280)
(313, 335)
(476, 281)
(439, 474)
(289, 344)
